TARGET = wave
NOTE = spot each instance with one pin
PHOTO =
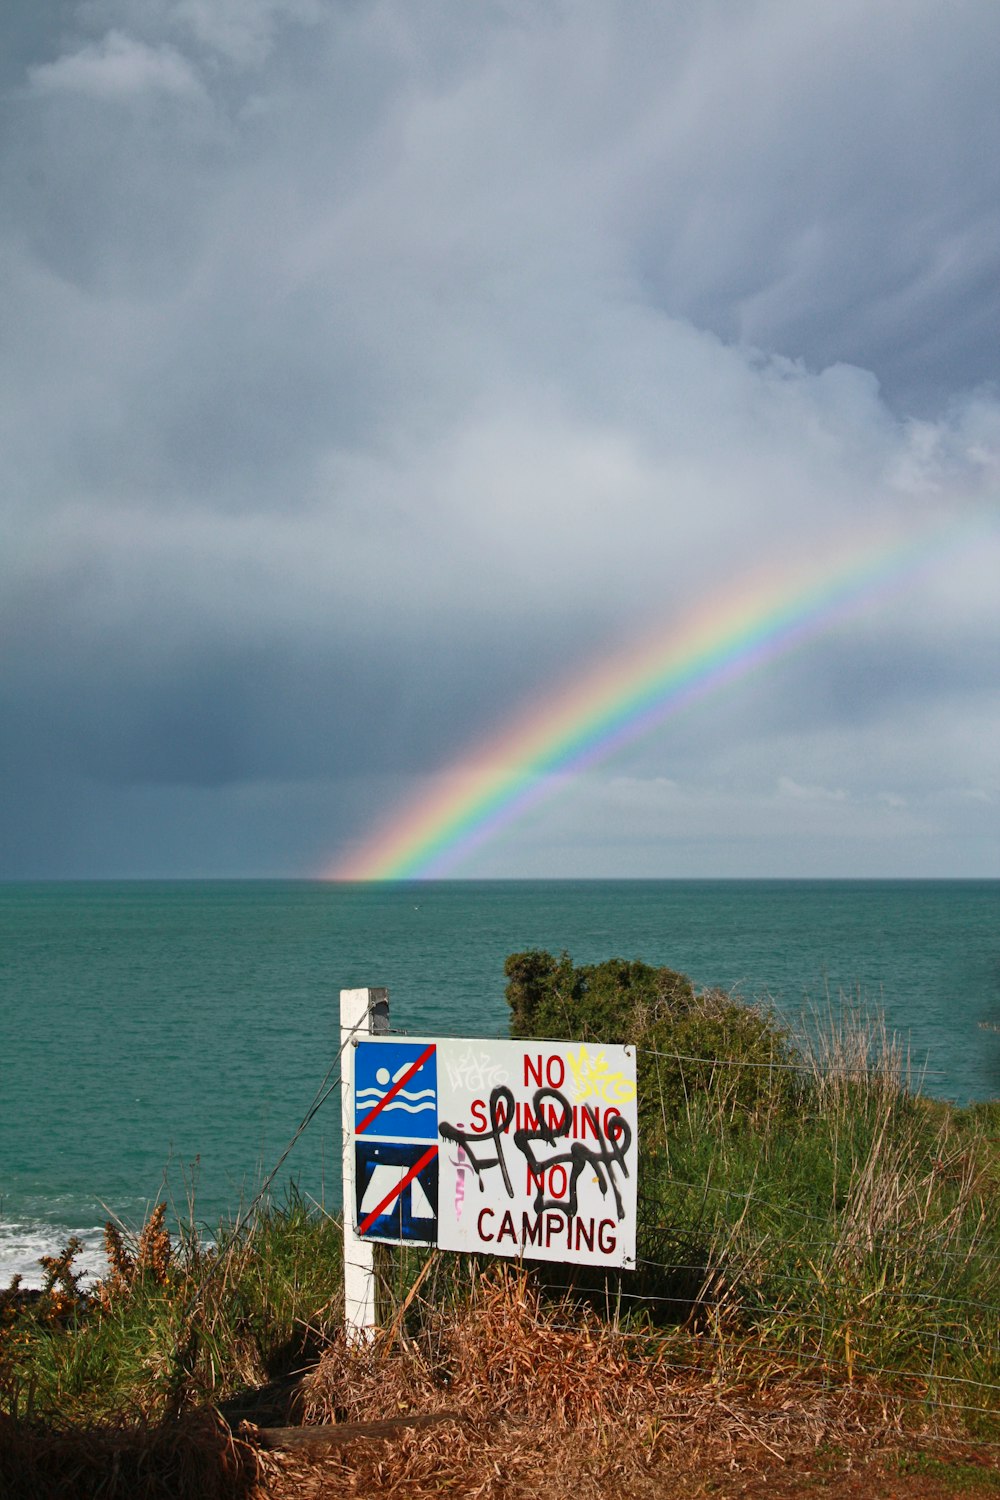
(410, 1109)
(373, 1094)
(22, 1244)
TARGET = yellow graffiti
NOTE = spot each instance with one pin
(594, 1079)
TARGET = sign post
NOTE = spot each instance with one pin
(363, 1013)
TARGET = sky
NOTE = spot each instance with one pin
(372, 369)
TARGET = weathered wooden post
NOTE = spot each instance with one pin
(362, 1013)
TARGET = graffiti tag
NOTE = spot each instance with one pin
(473, 1071)
(595, 1080)
(549, 1121)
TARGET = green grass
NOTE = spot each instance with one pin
(961, 1478)
(799, 1201)
(864, 1240)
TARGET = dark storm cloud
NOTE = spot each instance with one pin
(834, 193)
(366, 369)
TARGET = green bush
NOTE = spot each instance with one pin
(689, 1046)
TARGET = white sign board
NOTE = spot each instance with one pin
(501, 1148)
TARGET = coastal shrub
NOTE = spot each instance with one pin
(689, 1046)
(797, 1199)
(706, 1056)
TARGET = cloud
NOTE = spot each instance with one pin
(789, 788)
(241, 31)
(117, 67)
(368, 370)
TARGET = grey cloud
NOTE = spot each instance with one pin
(366, 370)
(837, 191)
(117, 67)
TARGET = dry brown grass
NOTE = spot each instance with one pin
(545, 1398)
(549, 1398)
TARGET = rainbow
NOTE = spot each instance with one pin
(720, 641)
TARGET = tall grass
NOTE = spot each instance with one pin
(852, 1227)
(799, 1201)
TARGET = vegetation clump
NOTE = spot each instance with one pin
(174, 1323)
(689, 1046)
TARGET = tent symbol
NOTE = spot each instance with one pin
(396, 1190)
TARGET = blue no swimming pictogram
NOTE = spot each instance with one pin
(395, 1090)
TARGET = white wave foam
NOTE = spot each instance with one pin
(22, 1244)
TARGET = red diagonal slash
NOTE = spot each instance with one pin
(394, 1192)
(399, 1084)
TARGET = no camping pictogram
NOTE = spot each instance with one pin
(396, 1191)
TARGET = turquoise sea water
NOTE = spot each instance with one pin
(183, 1028)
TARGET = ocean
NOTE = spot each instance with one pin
(166, 1038)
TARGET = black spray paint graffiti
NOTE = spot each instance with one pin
(612, 1140)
